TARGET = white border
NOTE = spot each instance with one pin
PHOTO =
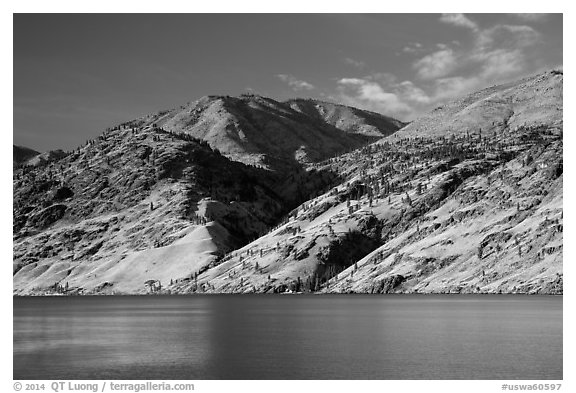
(303, 6)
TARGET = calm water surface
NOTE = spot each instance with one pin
(289, 337)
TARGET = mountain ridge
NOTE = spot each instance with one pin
(261, 131)
(461, 212)
(93, 206)
(457, 201)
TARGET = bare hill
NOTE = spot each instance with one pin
(280, 136)
(346, 118)
(467, 199)
(130, 206)
(155, 198)
(527, 102)
(432, 212)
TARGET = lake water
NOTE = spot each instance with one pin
(289, 337)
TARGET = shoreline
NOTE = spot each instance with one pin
(286, 294)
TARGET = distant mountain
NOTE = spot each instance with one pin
(261, 131)
(346, 118)
(43, 158)
(438, 207)
(22, 154)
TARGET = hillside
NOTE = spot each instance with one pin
(160, 200)
(457, 213)
(22, 154)
(466, 199)
(527, 102)
(346, 118)
(142, 202)
(279, 136)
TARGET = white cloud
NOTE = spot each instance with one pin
(502, 62)
(489, 68)
(371, 95)
(456, 86)
(460, 20)
(436, 65)
(354, 63)
(497, 54)
(511, 36)
(476, 68)
(383, 93)
(368, 91)
(523, 35)
(295, 83)
(413, 93)
(413, 47)
(384, 78)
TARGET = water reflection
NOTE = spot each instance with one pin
(289, 337)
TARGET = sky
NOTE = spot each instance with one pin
(76, 74)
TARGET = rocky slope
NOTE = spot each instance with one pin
(471, 211)
(134, 201)
(349, 119)
(279, 136)
(467, 199)
(530, 101)
(142, 202)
